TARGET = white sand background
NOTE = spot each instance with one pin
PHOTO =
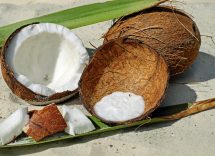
(193, 136)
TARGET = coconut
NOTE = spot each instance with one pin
(124, 82)
(77, 122)
(45, 122)
(42, 63)
(12, 126)
(169, 31)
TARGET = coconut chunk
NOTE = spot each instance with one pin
(120, 107)
(45, 122)
(77, 122)
(11, 127)
(46, 58)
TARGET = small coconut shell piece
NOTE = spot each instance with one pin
(42, 63)
(45, 122)
(170, 31)
(124, 65)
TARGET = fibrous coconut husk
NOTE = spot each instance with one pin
(45, 122)
(170, 31)
(124, 65)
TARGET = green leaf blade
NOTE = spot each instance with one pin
(64, 136)
(85, 15)
(185, 109)
(98, 122)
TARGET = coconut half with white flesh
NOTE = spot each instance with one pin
(77, 122)
(124, 82)
(42, 63)
(12, 126)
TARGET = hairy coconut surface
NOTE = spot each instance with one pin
(124, 65)
(169, 31)
(45, 122)
(42, 63)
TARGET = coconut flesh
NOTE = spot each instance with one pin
(11, 127)
(46, 58)
(120, 107)
(77, 122)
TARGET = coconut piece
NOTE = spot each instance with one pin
(42, 63)
(77, 122)
(45, 122)
(120, 107)
(124, 66)
(169, 31)
(12, 127)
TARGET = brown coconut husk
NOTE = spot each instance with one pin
(128, 66)
(23, 92)
(45, 122)
(170, 31)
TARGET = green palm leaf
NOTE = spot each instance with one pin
(163, 114)
(85, 15)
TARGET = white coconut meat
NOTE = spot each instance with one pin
(77, 122)
(11, 127)
(47, 58)
(120, 107)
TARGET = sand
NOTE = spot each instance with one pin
(194, 135)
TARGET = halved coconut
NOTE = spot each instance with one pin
(169, 31)
(42, 63)
(124, 82)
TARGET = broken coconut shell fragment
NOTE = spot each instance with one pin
(45, 122)
(168, 30)
(43, 62)
(119, 69)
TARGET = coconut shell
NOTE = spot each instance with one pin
(45, 122)
(169, 31)
(23, 92)
(124, 65)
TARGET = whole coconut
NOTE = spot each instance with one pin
(169, 31)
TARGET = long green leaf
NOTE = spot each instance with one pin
(160, 115)
(85, 15)
(63, 136)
